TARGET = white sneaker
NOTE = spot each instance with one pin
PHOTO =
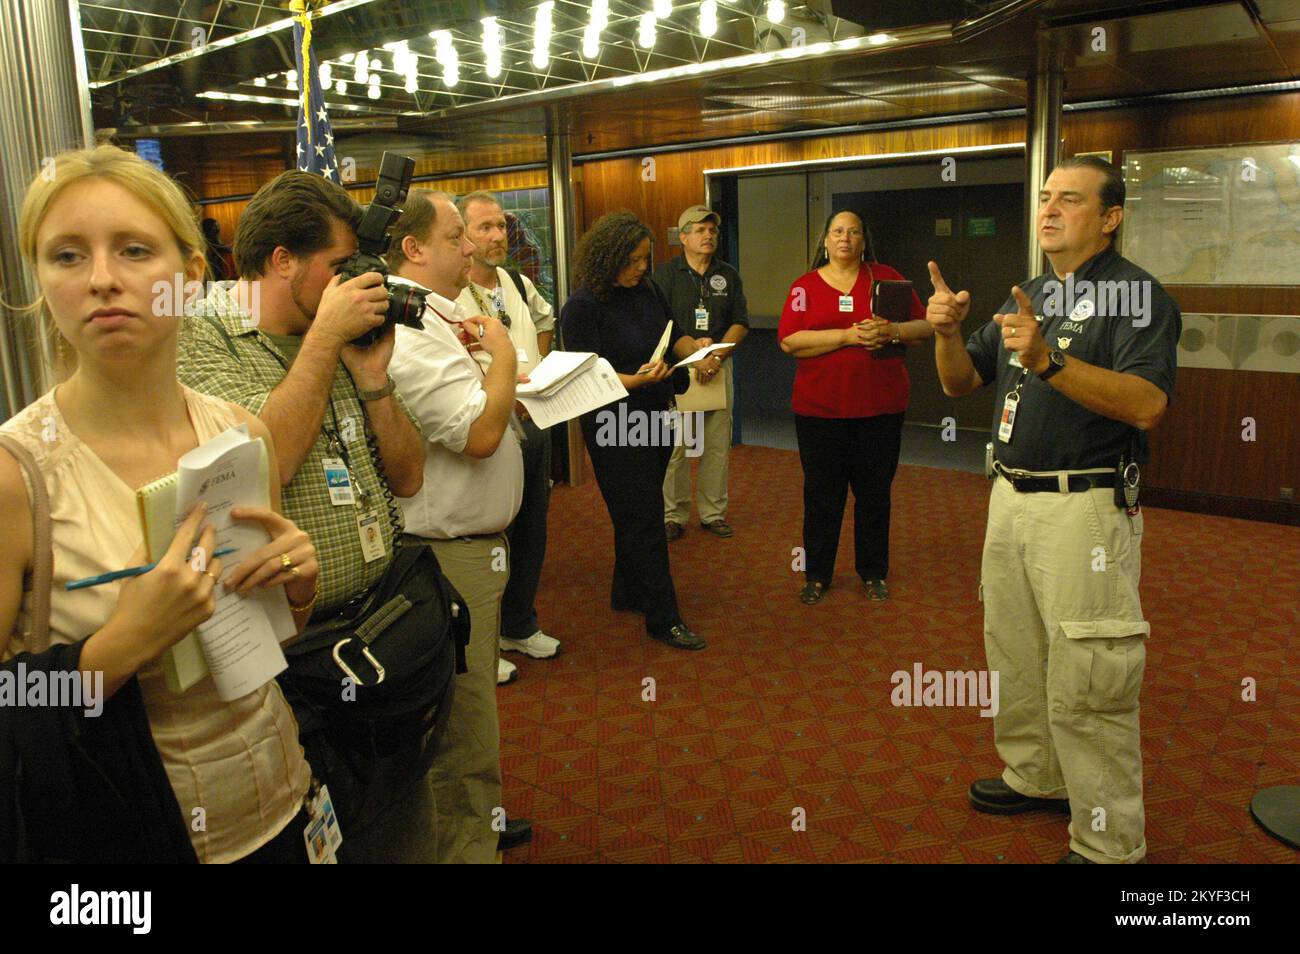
(538, 645)
(506, 672)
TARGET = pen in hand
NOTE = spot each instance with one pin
(129, 571)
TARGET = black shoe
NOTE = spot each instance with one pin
(994, 797)
(1074, 858)
(877, 592)
(519, 831)
(673, 531)
(812, 592)
(679, 637)
(719, 528)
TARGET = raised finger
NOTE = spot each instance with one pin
(936, 278)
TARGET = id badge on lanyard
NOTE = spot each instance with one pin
(1009, 408)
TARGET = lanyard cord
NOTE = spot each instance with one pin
(478, 300)
(334, 433)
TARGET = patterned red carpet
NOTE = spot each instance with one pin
(789, 706)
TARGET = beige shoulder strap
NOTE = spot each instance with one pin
(38, 640)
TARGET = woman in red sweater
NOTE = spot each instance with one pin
(849, 398)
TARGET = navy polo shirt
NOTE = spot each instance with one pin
(1109, 313)
(719, 289)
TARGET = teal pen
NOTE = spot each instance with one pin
(129, 571)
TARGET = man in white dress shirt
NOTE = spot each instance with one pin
(528, 317)
(474, 481)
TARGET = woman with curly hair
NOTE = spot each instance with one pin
(617, 313)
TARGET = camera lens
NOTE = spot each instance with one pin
(405, 305)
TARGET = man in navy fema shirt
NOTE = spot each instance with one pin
(1083, 360)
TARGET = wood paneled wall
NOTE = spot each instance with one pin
(238, 165)
(614, 184)
(1198, 457)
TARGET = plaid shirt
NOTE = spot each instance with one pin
(243, 365)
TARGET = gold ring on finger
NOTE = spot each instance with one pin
(209, 573)
(295, 572)
(285, 561)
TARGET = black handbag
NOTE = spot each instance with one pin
(370, 682)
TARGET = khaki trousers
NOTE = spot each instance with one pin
(712, 480)
(1063, 627)
(466, 773)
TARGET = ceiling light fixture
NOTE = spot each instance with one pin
(598, 19)
(491, 47)
(448, 58)
(645, 34)
(663, 9)
(775, 11)
(708, 18)
(362, 72)
(341, 87)
(373, 88)
(879, 39)
(542, 34)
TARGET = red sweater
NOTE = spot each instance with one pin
(847, 382)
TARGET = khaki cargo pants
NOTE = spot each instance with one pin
(1063, 627)
(711, 485)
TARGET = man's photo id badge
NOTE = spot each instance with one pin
(1008, 417)
(338, 481)
(846, 303)
(701, 319)
(322, 834)
(372, 539)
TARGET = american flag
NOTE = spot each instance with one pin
(315, 138)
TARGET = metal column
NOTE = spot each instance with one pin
(559, 174)
(45, 102)
(1042, 137)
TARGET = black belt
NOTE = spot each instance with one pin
(1077, 483)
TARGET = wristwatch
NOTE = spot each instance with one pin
(1055, 362)
(383, 392)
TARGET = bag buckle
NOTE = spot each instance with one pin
(366, 654)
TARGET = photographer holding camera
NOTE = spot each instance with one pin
(345, 443)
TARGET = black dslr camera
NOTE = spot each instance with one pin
(405, 302)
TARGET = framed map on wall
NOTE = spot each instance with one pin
(1223, 215)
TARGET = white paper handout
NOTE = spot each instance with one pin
(662, 346)
(703, 353)
(241, 641)
(594, 385)
(554, 372)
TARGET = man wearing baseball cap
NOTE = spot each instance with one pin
(706, 298)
